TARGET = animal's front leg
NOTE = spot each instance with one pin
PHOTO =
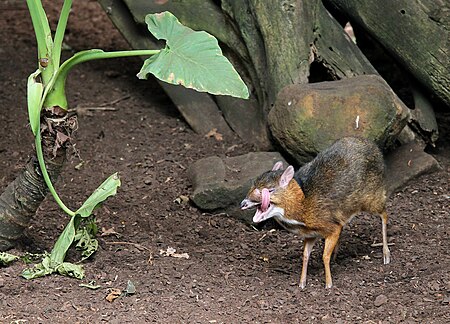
(308, 246)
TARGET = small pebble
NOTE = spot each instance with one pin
(380, 300)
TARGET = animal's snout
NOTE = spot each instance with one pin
(248, 203)
(245, 204)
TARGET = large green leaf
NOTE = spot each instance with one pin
(191, 58)
(106, 189)
(64, 241)
(55, 261)
(34, 95)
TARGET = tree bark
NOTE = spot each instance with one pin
(22, 197)
(416, 33)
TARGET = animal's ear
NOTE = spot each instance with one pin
(287, 176)
(277, 166)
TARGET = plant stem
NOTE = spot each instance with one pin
(60, 30)
(57, 96)
(90, 55)
(46, 177)
(54, 95)
(43, 37)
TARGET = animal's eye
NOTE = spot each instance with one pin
(271, 190)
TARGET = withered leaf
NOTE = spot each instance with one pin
(214, 133)
(114, 293)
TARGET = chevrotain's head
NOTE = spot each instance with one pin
(267, 192)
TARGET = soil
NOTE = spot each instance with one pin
(235, 273)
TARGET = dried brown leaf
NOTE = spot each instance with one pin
(114, 293)
(109, 232)
(172, 253)
(214, 133)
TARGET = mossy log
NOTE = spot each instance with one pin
(416, 33)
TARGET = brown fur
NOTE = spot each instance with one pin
(341, 181)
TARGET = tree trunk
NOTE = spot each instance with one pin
(271, 44)
(416, 33)
(22, 197)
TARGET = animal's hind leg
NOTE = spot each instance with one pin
(386, 252)
(330, 243)
(336, 250)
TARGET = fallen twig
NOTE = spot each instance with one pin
(106, 106)
(280, 270)
(380, 244)
(265, 234)
(111, 103)
(136, 245)
(93, 108)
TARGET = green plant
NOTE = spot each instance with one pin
(190, 58)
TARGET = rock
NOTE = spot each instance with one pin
(148, 180)
(406, 163)
(380, 300)
(423, 119)
(422, 124)
(221, 184)
(407, 135)
(307, 118)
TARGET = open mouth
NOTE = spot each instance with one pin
(261, 215)
(263, 208)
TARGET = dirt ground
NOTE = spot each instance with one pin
(234, 273)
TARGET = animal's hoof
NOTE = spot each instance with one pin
(387, 258)
(302, 285)
(328, 285)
